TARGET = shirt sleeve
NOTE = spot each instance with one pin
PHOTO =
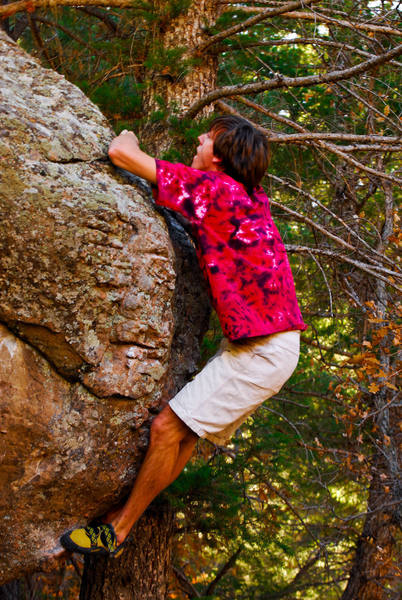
(186, 190)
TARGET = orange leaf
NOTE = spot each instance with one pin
(391, 386)
(380, 373)
(30, 7)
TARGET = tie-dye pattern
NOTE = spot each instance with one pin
(239, 249)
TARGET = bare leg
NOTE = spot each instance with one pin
(186, 450)
(171, 445)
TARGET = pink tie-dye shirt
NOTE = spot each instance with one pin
(239, 249)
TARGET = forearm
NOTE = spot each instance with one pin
(124, 152)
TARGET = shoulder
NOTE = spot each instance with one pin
(183, 172)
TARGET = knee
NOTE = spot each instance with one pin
(160, 426)
(167, 428)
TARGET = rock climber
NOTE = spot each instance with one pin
(244, 261)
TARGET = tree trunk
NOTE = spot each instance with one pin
(373, 570)
(141, 572)
(374, 573)
(12, 591)
(174, 86)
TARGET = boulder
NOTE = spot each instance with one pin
(101, 313)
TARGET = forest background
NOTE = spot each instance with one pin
(306, 500)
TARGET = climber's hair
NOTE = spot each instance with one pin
(242, 149)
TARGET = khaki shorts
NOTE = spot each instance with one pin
(235, 382)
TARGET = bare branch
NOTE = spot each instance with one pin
(317, 262)
(368, 105)
(185, 584)
(313, 42)
(359, 165)
(299, 217)
(320, 18)
(281, 81)
(316, 202)
(224, 569)
(42, 48)
(76, 566)
(370, 269)
(341, 137)
(265, 14)
(319, 142)
(368, 148)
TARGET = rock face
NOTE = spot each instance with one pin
(101, 314)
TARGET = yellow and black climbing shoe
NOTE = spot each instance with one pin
(99, 539)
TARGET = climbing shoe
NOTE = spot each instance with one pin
(99, 539)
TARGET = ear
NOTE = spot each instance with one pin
(216, 160)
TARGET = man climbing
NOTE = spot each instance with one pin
(244, 261)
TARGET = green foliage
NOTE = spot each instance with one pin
(174, 8)
(125, 96)
(167, 61)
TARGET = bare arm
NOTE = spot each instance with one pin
(125, 152)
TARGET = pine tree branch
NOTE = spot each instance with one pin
(316, 344)
(30, 5)
(68, 32)
(103, 16)
(313, 585)
(265, 14)
(283, 497)
(281, 81)
(42, 48)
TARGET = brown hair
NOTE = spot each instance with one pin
(242, 149)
